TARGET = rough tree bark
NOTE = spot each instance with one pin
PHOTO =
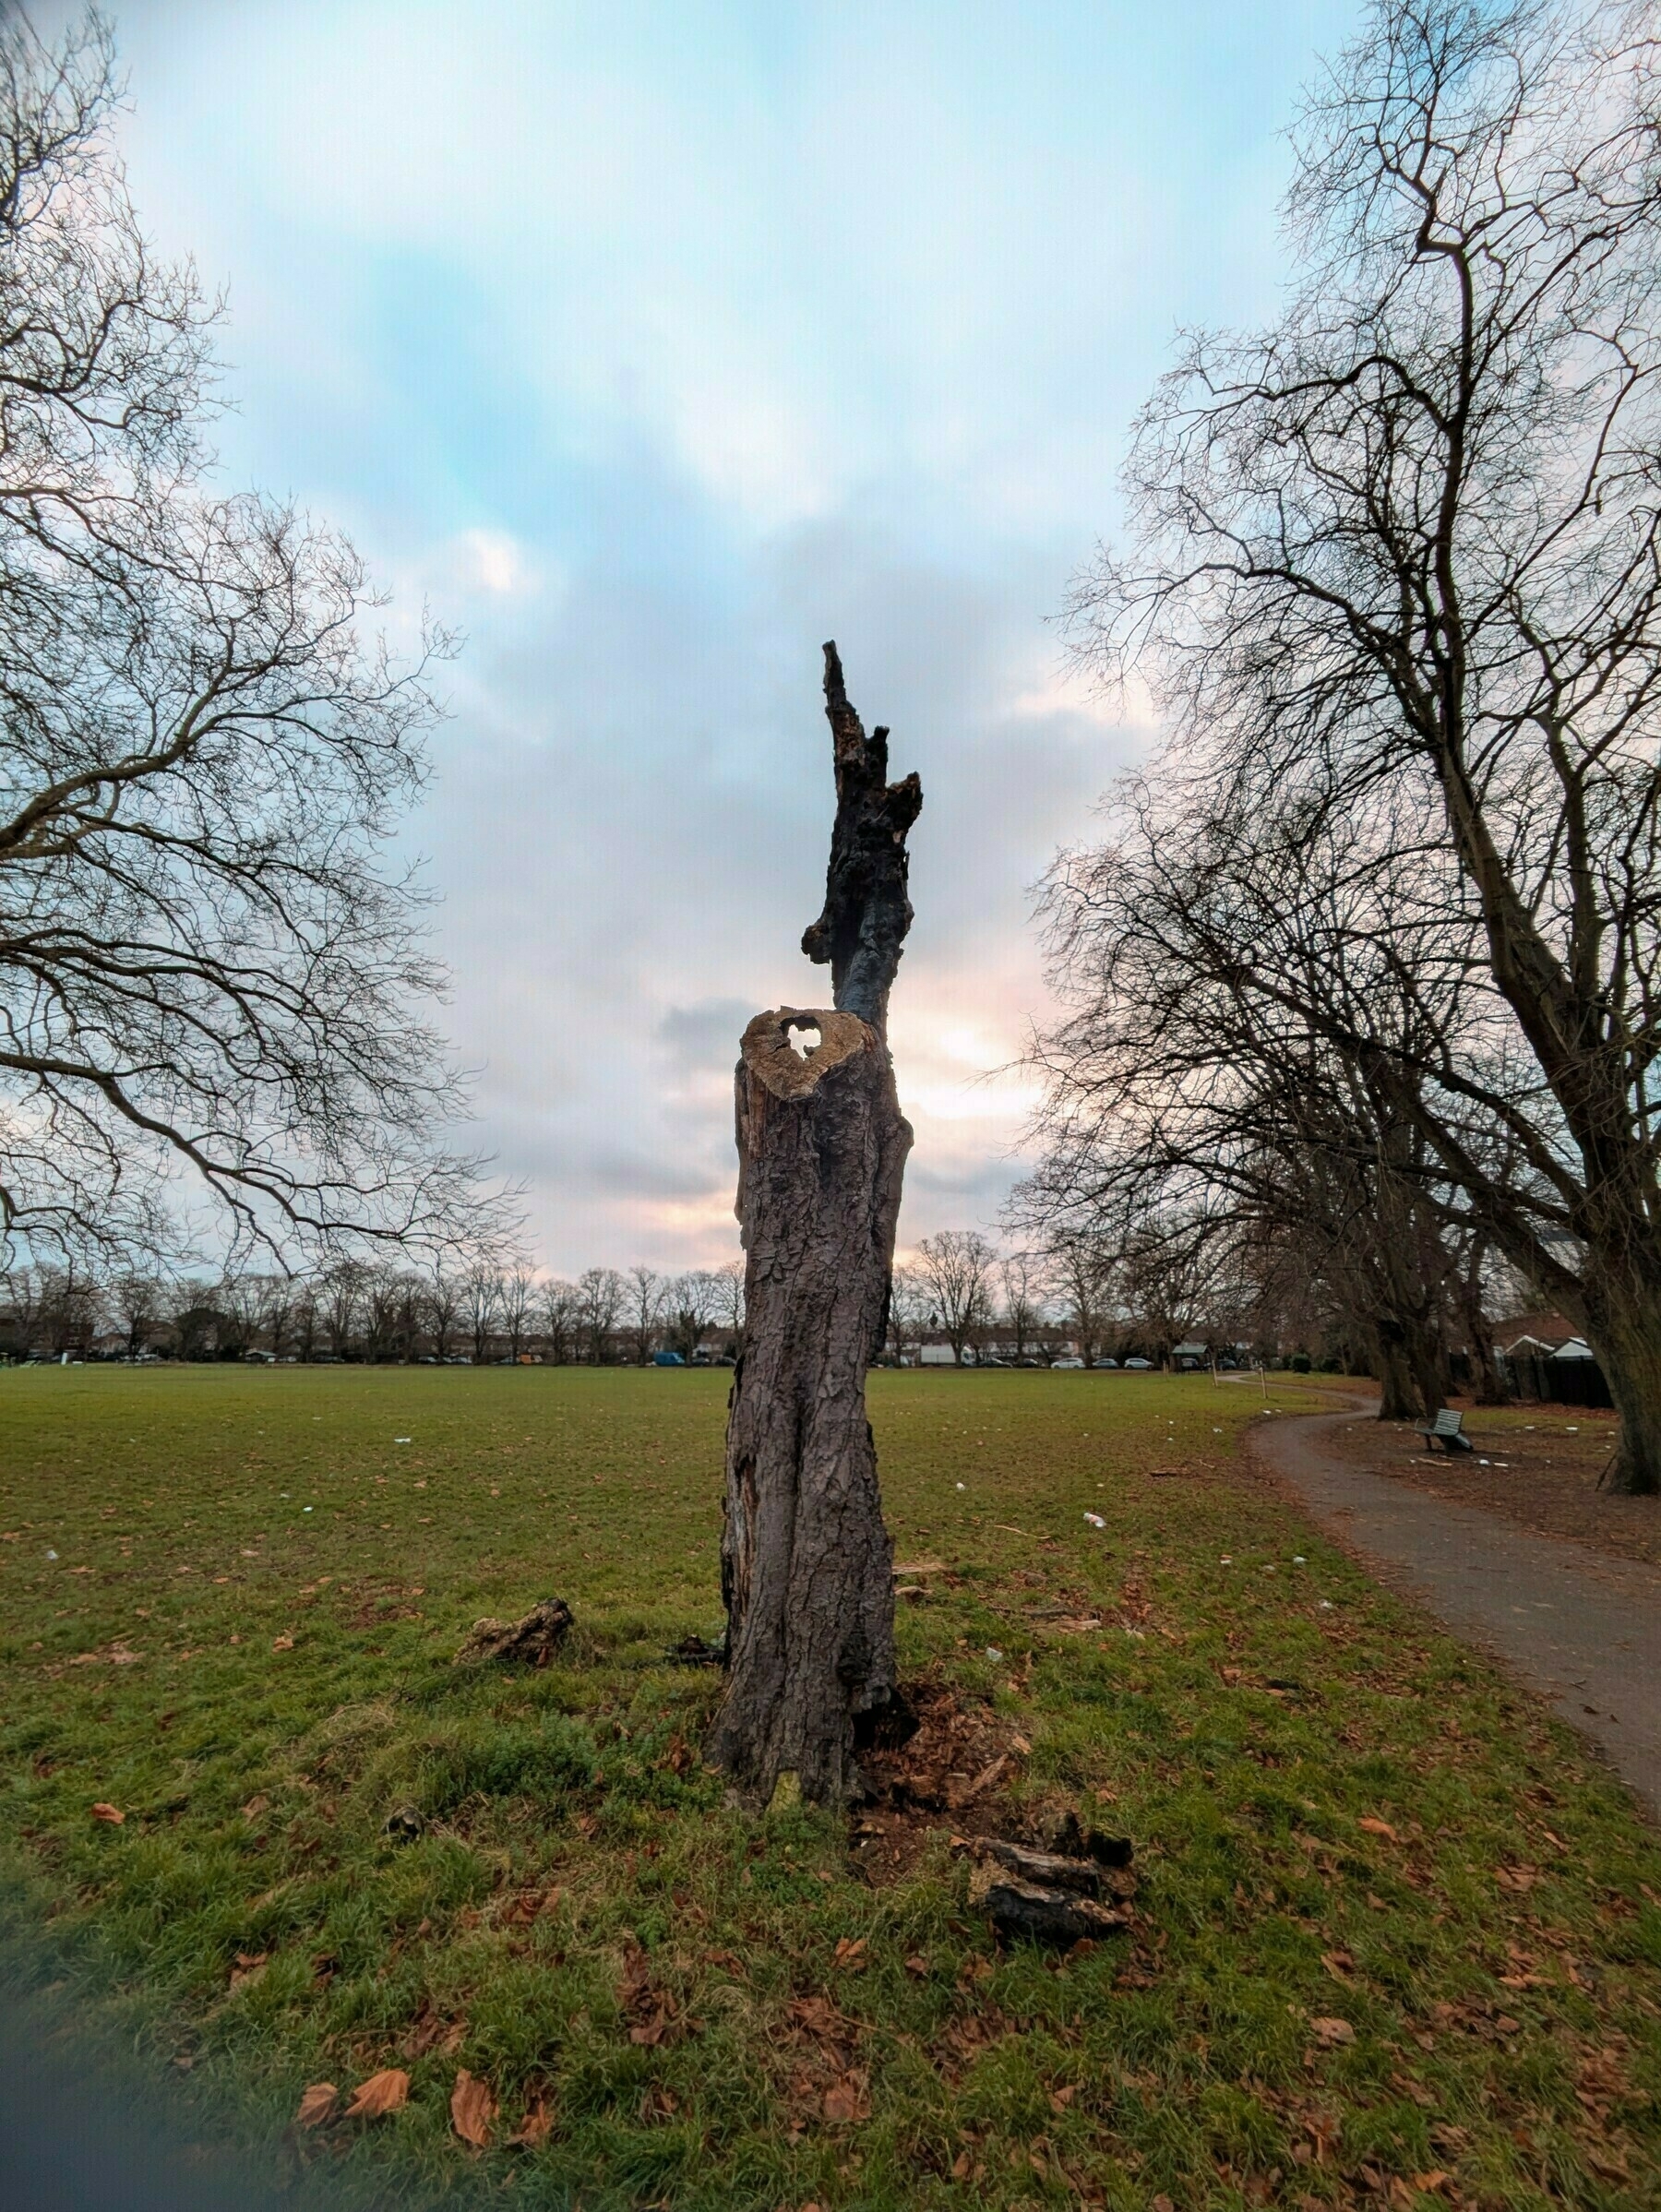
(807, 1565)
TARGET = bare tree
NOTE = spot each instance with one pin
(807, 1565)
(1021, 1279)
(956, 1266)
(1223, 1091)
(442, 1302)
(138, 1301)
(644, 1295)
(1407, 544)
(691, 1303)
(236, 1297)
(561, 1314)
(482, 1305)
(519, 1287)
(1080, 1264)
(909, 1306)
(274, 1300)
(729, 1305)
(66, 1307)
(599, 1303)
(207, 966)
(341, 1304)
(384, 1307)
(20, 1310)
(307, 1320)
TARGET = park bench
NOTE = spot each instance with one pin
(1446, 1430)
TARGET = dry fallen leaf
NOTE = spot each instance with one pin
(1431, 2183)
(254, 1807)
(317, 2105)
(851, 1954)
(112, 1813)
(1371, 1825)
(816, 2015)
(283, 1643)
(538, 2126)
(846, 2099)
(472, 2109)
(1332, 2032)
(383, 2092)
(916, 1964)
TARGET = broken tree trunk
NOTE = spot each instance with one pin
(807, 1565)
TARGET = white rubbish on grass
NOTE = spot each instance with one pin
(963, 1486)
(305, 1508)
(403, 1439)
(52, 1555)
(1298, 1559)
(1227, 1560)
(1095, 1520)
(1326, 1605)
(993, 1652)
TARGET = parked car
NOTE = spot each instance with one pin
(667, 1359)
(1142, 1363)
(1067, 1362)
(1112, 1363)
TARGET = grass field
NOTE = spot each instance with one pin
(1395, 1942)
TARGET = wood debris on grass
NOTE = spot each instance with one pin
(530, 1641)
(1049, 1897)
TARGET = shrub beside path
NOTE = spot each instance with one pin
(1580, 1627)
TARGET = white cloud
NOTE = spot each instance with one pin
(494, 560)
(652, 346)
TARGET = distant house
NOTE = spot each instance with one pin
(1533, 1334)
(1190, 1355)
(1542, 1355)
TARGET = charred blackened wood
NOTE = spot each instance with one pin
(1043, 1915)
(867, 911)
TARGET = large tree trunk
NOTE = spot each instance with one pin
(1398, 1399)
(1623, 1325)
(806, 1566)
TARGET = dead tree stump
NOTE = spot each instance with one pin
(807, 1565)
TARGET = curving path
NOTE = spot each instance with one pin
(1581, 1630)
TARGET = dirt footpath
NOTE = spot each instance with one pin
(1581, 1628)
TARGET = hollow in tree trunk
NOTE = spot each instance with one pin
(807, 1565)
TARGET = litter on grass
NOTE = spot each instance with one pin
(1095, 1520)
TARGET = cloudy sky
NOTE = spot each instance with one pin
(651, 343)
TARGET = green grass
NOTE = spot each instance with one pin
(1498, 1960)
